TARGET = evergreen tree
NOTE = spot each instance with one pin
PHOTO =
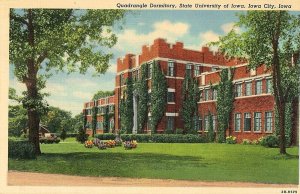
(63, 134)
(159, 90)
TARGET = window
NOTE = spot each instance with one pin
(149, 70)
(257, 121)
(238, 90)
(248, 89)
(237, 122)
(89, 111)
(268, 86)
(170, 123)
(258, 87)
(171, 96)
(200, 124)
(134, 75)
(197, 70)
(99, 125)
(201, 95)
(214, 122)
(206, 123)
(170, 68)
(122, 79)
(268, 121)
(206, 94)
(215, 68)
(247, 122)
(214, 94)
(196, 123)
(111, 108)
(111, 124)
(188, 70)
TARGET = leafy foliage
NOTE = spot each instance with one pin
(94, 119)
(21, 149)
(211, 133)
(63, 134)
(143, 96)
(102, 94)
(59, 39)
(271, 38)
(81, 136)
(224, 103)
(126, 108)
(17, 120)
(189, 110)
(287, 123)
(159, 90)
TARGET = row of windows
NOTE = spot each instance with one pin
(101, 110)
(208, 94)
(257, 122)
(100, 124)
(248, 88)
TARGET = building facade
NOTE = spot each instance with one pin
(253, 106)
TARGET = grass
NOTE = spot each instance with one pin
(206, 162)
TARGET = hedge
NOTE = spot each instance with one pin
(157, 138)
(21, 149)
(68, 135)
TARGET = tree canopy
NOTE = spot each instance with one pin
(271, 38)
(69, 40)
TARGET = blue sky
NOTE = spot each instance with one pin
(193, 28)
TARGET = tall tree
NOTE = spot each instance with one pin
(225, 100)
(271, 38)
(190, 97)
(57, 39)
(143, 97)
(126, 109)
(159, 91)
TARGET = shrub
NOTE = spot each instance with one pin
(231, 140)
(63, 134)
(82, 136)
(270, 141)
(105, 136)
(22, 149)
(118, 141)
(246, 142)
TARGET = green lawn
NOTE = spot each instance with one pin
(211, 162)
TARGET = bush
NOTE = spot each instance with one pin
(63, 134)
(105, 136)
(231, 140)
(22, 149)
(168, 131)
(271, 141)
(82, 136)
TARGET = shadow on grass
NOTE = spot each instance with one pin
(139, 165)
(286, 157)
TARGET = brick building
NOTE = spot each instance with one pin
(253, 113)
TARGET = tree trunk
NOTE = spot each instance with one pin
(281, 115)
(33, 125)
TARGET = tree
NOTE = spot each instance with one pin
(63, 134)
(271, 38)
(61, 39)
(190, 97)
(102, 94)
(126, 108)
(210, 133)
(57, 119)
(225, 100)
(159, 90)
(142, 93)
(106, 119)
(17, 120)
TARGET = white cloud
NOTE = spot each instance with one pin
(72, 106)
(208, 36)
(83, 95)
(55, 89)
(228, 27)
(131, 41)
(112, 68)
